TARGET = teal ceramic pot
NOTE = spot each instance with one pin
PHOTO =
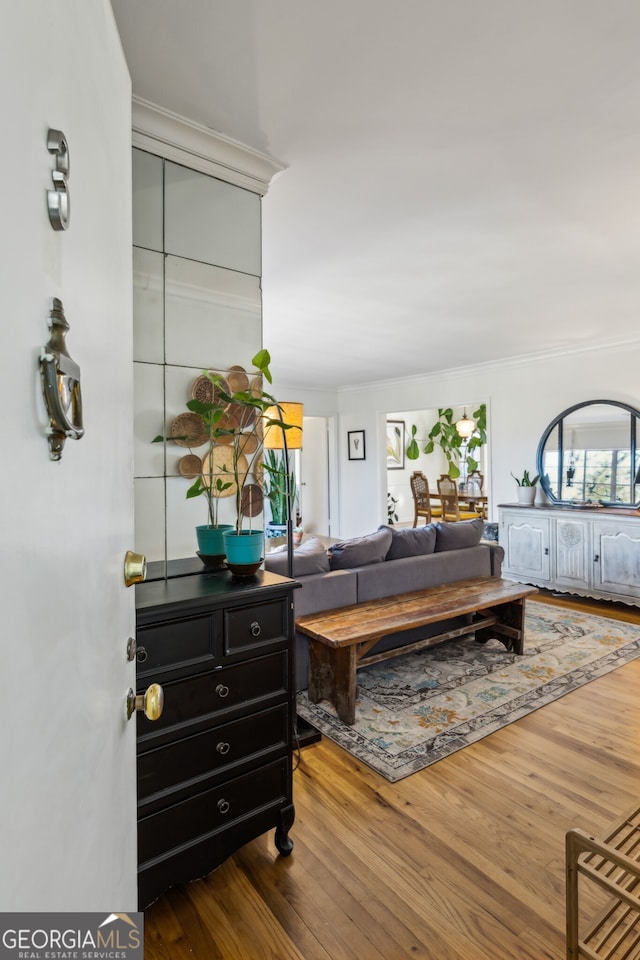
(210, 539)
(245, 547)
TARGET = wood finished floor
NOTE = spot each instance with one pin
(463, 861)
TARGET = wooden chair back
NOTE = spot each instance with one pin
(451, 511)
(475, 481)
(421, 500)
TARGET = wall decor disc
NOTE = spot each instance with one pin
(203, 389)
(238, 379)
(255, 387)
(188, 430)
(248, 443)
(231, 418)
(252, 500)
(190, 466)
(219, 464)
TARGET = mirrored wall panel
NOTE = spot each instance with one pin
(197, 306)
(210, 220)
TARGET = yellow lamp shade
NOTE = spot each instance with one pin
(290, 414)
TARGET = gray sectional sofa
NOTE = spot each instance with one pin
(384, 563)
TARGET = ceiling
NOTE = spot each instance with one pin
(463, 179)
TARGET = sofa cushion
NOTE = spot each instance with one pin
(361, 551)
(455, 536)
(411, 541)
(310, 557)
(419, 573)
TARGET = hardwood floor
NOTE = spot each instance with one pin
(463, 861)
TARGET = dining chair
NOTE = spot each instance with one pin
(421, 499)
(449, 500)
(475, 485)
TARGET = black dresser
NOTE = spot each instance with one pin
(215, 770)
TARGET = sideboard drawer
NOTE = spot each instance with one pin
(246, 628)
(200, 699)
(179, 764)
(215, 809)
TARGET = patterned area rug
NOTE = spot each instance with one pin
(421, 707)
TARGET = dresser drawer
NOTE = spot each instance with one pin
(257, 624)
(179, 765)
(211, 811)
(202, 698)
(176, 646)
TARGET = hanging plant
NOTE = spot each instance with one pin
(444, 435)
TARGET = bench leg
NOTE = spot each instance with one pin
(332, 676)
(510, 627)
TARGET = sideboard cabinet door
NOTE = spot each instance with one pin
(572, 552)
(525, 539)
(616, 558)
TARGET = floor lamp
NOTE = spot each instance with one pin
(286, 438)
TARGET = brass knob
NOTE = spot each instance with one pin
(151, 702)
(135, 568)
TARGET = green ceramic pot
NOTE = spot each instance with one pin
(245, 547)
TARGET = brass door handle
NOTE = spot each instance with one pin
(151, 702)
(135, 568)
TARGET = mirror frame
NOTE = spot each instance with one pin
(633, 437)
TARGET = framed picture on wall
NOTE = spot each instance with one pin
(356, 444)
(395, 444)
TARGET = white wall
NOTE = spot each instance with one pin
(522, 397)
(67, 756)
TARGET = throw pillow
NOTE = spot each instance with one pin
(455, 536)
(411, 541)
(310, 557)
(361, 551)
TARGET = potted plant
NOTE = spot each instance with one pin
(249, 413)
(444, 434)
(526, 487)
(279, 485)
(232, 424)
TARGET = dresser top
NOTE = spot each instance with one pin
(201, 589)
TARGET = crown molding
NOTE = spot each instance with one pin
(519, 360)
(184, 141)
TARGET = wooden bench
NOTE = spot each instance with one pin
(340, 640)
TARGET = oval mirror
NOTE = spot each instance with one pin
(589, 455)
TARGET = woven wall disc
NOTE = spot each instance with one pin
(190, 466)
(219, 462)
(231, 418)
(238, 379)
(191, 430)
(202, 389)
(248, 443)
(252, 500)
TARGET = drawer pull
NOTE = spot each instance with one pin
(223, 806)
(141, 654)
(222, 690)
(256, 629)
(596, 558)
(222, 748)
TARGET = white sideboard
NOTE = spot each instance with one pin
(588, 552)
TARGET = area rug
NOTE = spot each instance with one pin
(420, 707)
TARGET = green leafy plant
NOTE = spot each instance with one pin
(443, 434)
(243, 433)
(526, 480)
(254, 418)
(278, 485)
(206, 484)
